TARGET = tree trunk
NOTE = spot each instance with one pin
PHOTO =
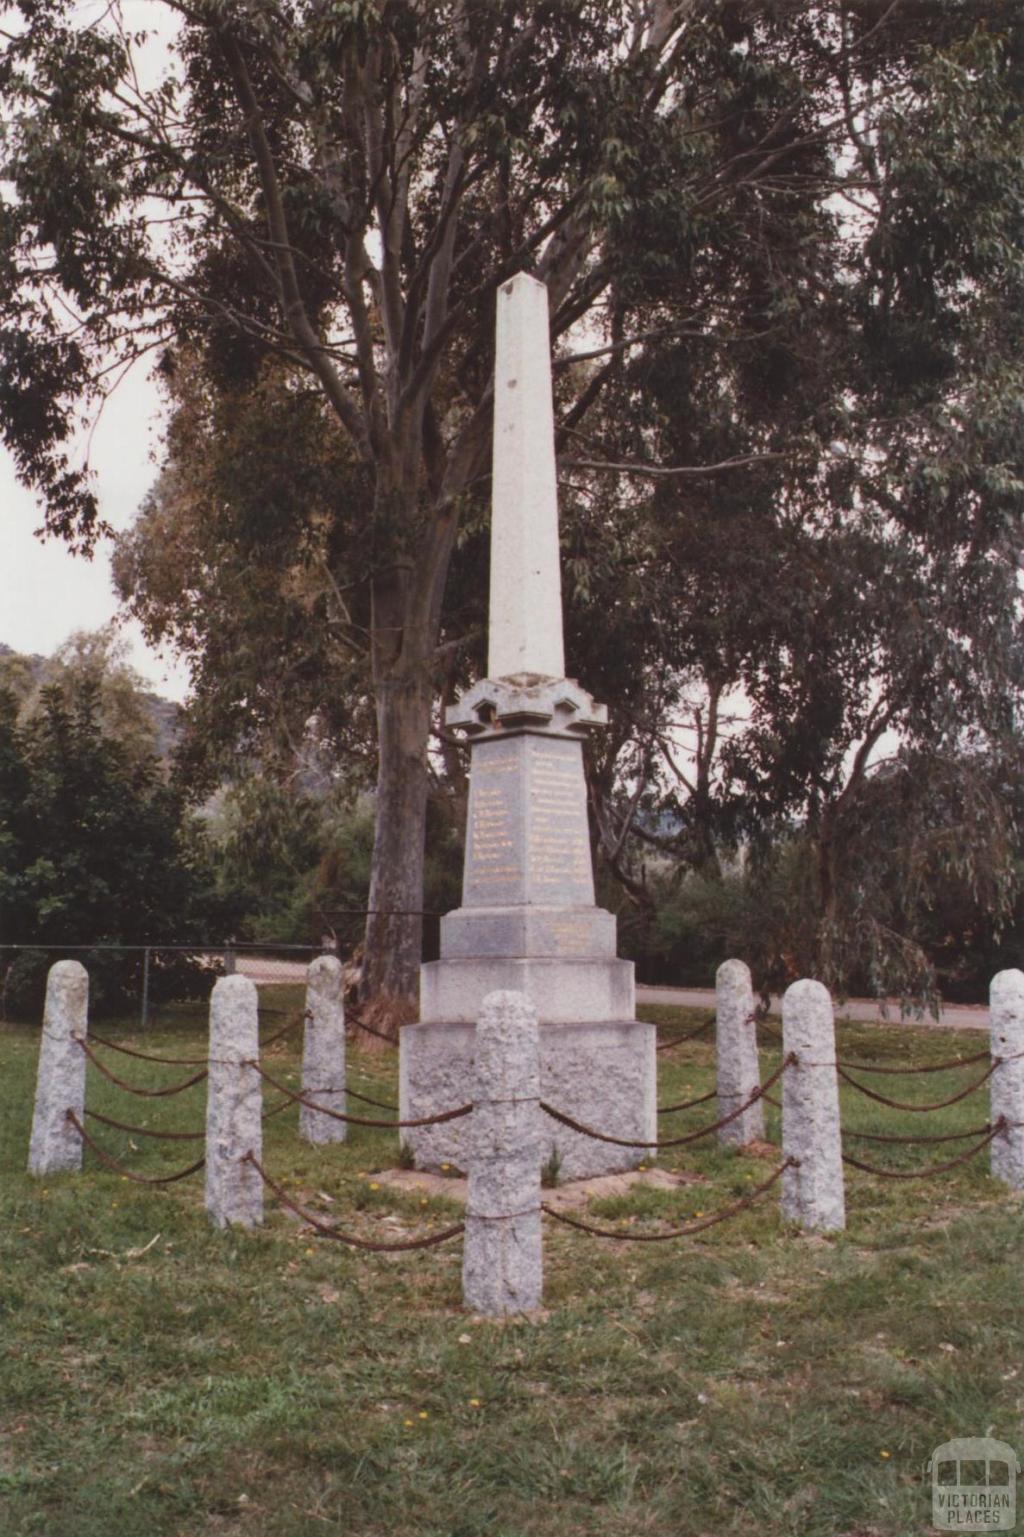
(394, 927)
(404, 626)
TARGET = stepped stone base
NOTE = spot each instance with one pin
(562, 991)
(551, 933)
(601, 1072)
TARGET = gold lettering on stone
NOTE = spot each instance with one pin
(558, 846)
(492, 851)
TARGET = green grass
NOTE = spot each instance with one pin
(753, 1381)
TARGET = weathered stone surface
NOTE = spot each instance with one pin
(739, 1070)
(323, 1050)
(526, 702)
(527, 838)
(554, 933)
(502, 1264)
(812, 1194)
(1006, 1018)
(562, 991)
(526, 591)
(603, 1074)
(234, 1105)
(60, 1083)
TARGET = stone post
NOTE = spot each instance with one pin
(60, 1085)
(234, 1105)
(812, 1193)
(1006, 1024)
(502, 1266)
(323, 1050)
(739, 1071)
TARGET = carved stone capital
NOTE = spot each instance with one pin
(526, 702)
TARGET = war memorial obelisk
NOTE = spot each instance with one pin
(528, 919)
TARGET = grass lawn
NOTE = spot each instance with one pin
(159, 1379)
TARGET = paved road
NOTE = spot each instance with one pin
(955, 1016)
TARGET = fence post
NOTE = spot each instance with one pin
(1006, 1025)
(739, 1070)
(812, 1191)
(502, 1262)
(323, 1050)
(234, 1105)
(60, 1084)
(230, 959)
(144, 1021)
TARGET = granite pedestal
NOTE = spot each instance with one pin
(528, 924)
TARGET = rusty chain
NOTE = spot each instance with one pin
(325, 1230)
(151, 1056)
(364, 1099)
(134, 1088)
(688, 1104)
(935, 1168)
(146, 1131)
(146, 1056)
(681, 1232)
(690, 1035)
(358, 1120)
(928, 1067)
(946, 1136)
(119, 1168)
(899, 1104)
(693, 1136)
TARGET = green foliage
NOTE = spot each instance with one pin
(97, 849)
(787, 240)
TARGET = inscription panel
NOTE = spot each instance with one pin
(558, 841)
(494, 871)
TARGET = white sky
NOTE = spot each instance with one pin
(45, 591)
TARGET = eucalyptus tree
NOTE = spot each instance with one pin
(341, 185)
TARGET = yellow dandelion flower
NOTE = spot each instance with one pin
(424, 1415)
(885, 1454)
(374, 1185)
(474, 1403)
(409, 1424)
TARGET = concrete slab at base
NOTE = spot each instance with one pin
(562, 991)
(601, 1072)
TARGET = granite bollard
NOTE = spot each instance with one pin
(234, 1105)
(502, 1264)
(812, 1189)
(1006, 1024)
(323, 1051)
(55, 1145)
(739, 1070)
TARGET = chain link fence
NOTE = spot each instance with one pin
(141, 980)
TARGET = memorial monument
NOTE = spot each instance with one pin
(528, 921)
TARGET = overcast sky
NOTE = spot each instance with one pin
(46, 592)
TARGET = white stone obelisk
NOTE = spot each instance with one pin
(526, 592)
(528, 923)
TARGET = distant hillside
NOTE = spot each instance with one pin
(25, 673)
